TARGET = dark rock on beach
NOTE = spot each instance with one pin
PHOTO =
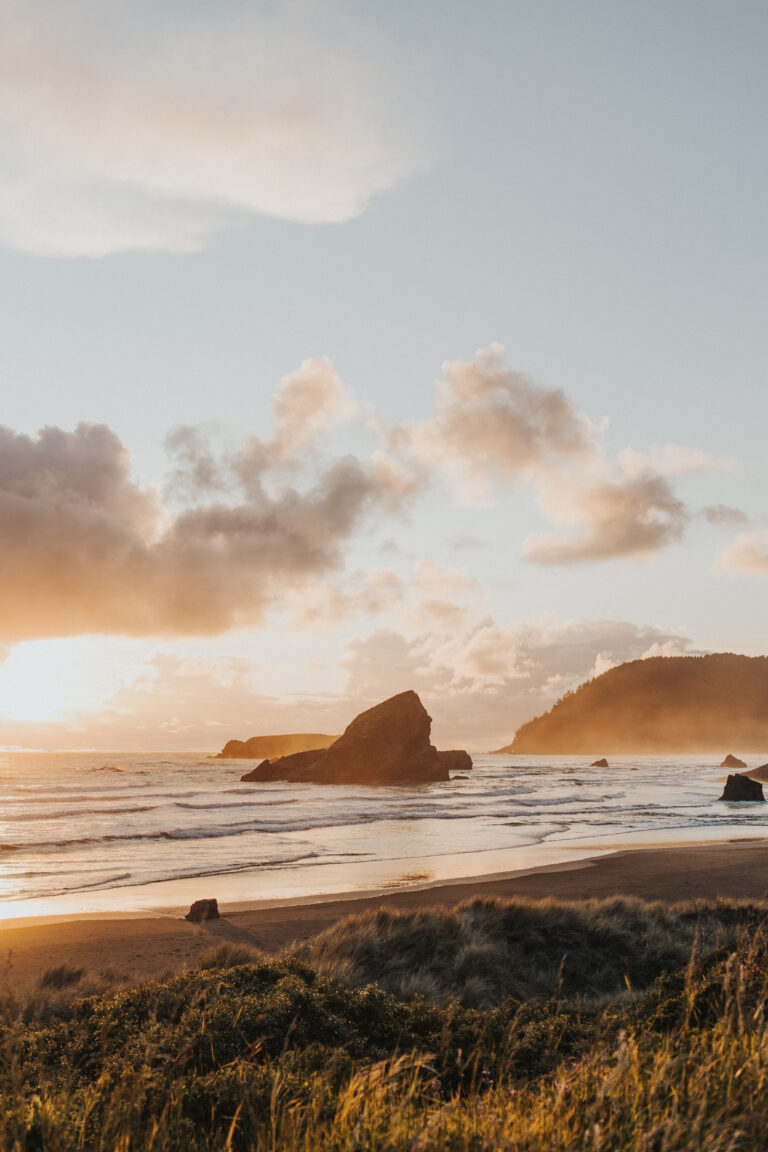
(203, 910)
(387, 744)
(599, 763)
(739, 787)
(732, 762)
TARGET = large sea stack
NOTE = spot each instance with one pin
(388, 744)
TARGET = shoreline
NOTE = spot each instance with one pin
(139, 945)
(239, 907)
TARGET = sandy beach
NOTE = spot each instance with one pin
(141, 947)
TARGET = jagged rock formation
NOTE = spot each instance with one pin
(732, 762)
(270, 747)
(455, 760)
(387, 744)
(739, 787)
(203, 910)
(664, 704)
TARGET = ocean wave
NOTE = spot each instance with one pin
(215, 832)
(129, 880)
(74, 812)
(104, 882)
(545, 800)
(122, 837)
(211, 807)
(108, 796)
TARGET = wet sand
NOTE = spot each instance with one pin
(142, 946)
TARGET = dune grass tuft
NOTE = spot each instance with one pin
(484, 950)
(257, 1054)
(63, 976)
(229, 956)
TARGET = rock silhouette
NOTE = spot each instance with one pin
(455, 760)
(270, 747)
(760, 773)
(599, 763)
(659, 705)
(203, 910)
(739, 787)
(387, 744)
(732, 762)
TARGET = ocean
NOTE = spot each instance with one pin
(149, 833)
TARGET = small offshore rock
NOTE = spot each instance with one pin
(455, 760)
(272, 747)
(599, 763)
(732, 762)
(738, 787)
(203, 910)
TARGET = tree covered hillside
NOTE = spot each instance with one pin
(716, 703)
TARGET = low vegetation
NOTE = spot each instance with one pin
(484, 951)
(590, 1043)
(659, 705)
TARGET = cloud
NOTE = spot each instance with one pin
(239, 532)
(323, 604)
(481, 682)
(127, 126)
(88, 549)
(613, 517)
(667, 648)
(492, 424)
(494, 428)
(433, 581)
(432, 595)
(724, 515)
(534, 656)
(441, 596)
(88, 468)
(749, 553)
(308, 403)
(674, 460)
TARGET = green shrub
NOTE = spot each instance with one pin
(279, 1054)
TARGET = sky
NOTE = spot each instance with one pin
(349, 348)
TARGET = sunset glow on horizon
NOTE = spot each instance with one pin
(350, 349)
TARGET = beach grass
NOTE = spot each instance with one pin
(657, 1047)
